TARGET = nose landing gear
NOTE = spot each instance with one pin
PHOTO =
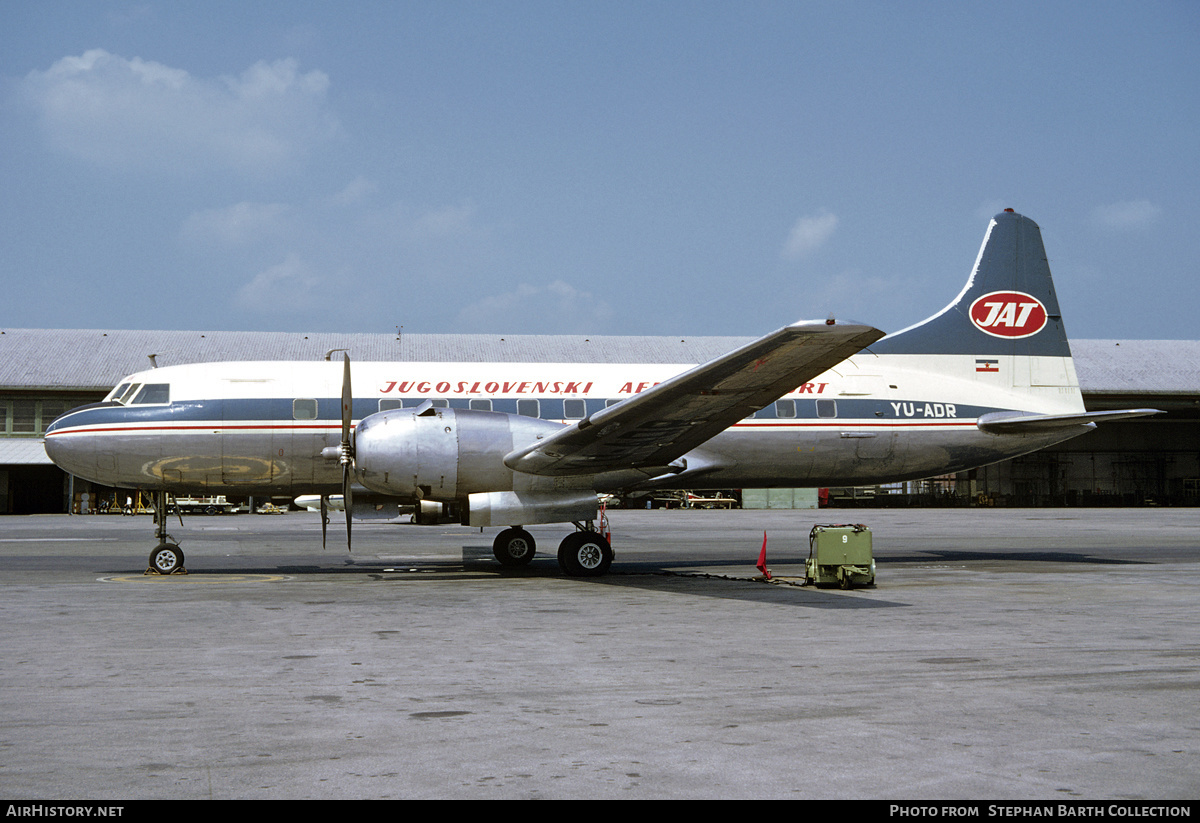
(167, 557)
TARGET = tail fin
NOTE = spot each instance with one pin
(1007, 320)
(1008, 306)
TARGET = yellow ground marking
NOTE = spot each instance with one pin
(196, 578)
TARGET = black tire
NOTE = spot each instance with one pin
(514, 547)
(585, 554)
(166, 558)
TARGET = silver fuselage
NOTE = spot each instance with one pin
(269, 427)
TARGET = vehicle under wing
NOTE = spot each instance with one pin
(652, 430)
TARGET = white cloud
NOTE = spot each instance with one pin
(404, 226)
(1128, 214)
(853, 295)
(123, 112)
(290, 286)
(989, 209)
(449, 221)
(237, 225)
(808, 234)
(559, 307)
(355, 191)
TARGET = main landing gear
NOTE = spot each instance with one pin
(167, 557)
(514, 547)
(583, 553)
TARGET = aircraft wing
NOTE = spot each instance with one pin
(653, 429)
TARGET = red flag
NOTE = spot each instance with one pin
(762, 558)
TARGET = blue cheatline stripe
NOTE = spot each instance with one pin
(278, 412)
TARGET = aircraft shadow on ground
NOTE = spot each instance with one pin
(1044, 556)
(478, 564)
(667, 574)
(745, 590)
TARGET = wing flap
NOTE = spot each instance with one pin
(659, 425)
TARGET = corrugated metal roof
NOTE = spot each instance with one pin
(1138, 366)
(96, 359)
(90, 359)
(23, 451)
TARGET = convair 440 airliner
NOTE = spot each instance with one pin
(816, 403)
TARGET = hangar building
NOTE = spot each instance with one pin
(1147, 461)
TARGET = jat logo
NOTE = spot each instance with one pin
(1008, 314)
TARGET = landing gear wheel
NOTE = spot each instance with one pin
(514, 547)
(585, 554)
(166, 558)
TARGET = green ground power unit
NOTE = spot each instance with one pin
(840, 556)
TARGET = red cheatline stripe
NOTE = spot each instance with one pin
(216, 427)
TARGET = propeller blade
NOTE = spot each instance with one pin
(324, 518)
(347, 446)
(347, 501)
(347, 401)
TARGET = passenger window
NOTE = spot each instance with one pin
(304, 409)
(153, 393)
(785, 408)
(481, 405)
(826, 408)
(390, 403)
(527, 408)
(611, 402)
(574, 409)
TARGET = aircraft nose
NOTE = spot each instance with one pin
(71, 453)
(71, 449)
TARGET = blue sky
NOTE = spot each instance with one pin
(589, 167)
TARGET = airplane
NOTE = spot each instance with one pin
(815, 403)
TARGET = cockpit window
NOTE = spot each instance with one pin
(153, 393)
(116, 393)
(128, 393)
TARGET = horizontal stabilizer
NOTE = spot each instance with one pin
(1017, 422)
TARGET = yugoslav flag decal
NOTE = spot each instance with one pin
(1010, 314)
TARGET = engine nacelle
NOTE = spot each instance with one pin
(440, 454)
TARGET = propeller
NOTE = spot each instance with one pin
(347, 448)
(324, 518)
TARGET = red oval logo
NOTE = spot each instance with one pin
(1008, 314)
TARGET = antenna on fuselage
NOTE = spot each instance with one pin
(329, 354)
(154, 357)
